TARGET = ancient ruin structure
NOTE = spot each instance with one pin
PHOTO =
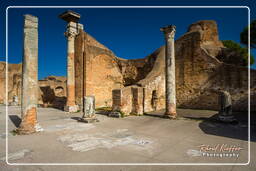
(52, 92)
(14, 82)
(29, 76)
(128, 100)
(170, 85)
(198, 70)
(71, 32)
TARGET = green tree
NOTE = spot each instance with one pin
(244, 35)
(240, 51)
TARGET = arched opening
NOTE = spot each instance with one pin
(154, 100)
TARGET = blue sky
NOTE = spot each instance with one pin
(129, 33)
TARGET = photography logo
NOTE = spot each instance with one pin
(218, 150)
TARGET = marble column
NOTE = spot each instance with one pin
(29, 76)
(70, 34)
(170, 86)
(72, 31)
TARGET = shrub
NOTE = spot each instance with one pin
(241, 51)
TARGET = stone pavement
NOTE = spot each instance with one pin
(133, 139)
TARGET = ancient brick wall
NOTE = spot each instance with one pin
(79, 64)
(2, 82)
(51, 90)
(101, 72)
(128, 100)
(14, 81)
(198, 73)
(137, 100)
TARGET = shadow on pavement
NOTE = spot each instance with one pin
(209, 123)
(15, 120)
(236, 130)
(76, 118)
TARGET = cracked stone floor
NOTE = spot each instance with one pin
(133, 139)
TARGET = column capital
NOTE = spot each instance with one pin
(70, 16)
(73, 26)
(72, 29)
(30, 21)
(69, 34)
(169, 30)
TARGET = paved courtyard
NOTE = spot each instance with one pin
(134, 139)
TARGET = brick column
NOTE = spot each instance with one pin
(170, 86)
(29, 76)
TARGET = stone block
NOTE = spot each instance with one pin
(71, 109)
(128, 100)
(122, 100)
(89, 106)
(88, 119)
(115, 114)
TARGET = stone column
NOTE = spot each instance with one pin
(70, 34)
(73, 27)
(170, 86)
(29, 76)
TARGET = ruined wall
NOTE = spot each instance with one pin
(51, 90)
(128, 100)
(79, 64)
(2, 82)
(122, 100)
(134, 70)
(101, 71)
(14, 83)
(198, 72)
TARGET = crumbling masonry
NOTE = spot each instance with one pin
(199, 69)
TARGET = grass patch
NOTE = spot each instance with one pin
(14, 132)
(106, 108)
(122, 114)
(135, 114)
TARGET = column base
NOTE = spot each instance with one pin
(71, 109)
(25, 130)
(170, 116)
(115, 114)
(21, 131)
(230, 118)
(13, 104)
(88, 119)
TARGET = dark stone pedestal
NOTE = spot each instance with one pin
(88, 120)
(115, 114)
(169, 116)
(227, 119)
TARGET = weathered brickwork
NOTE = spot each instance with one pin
(99, 73)
(198, 71)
